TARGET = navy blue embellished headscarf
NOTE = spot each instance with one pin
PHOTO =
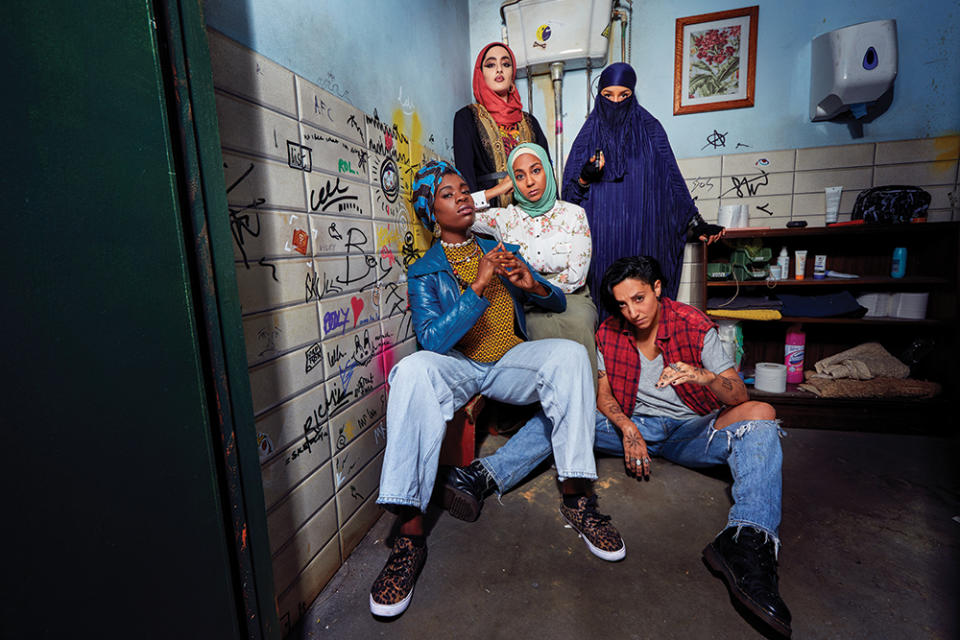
(641, 205)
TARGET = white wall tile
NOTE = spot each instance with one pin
(358, 347)
(394, 353)
(337, 195)
(344, 274)
(332, 235)
(322, 109)
(397, 329)
(241, 71)
(260, 233)
(836, 157)
(358, 452)
(267, 284)
(347, 313)
(357, 526)
(922, 150)
(393, 299)
(302, 419)
(299, 504)
(920, 174)
(756, 184)
(817, 181)
(352, 383)
(272, 333)
(358, 490)
(308, 585)
(709, 209)
(740, 164)
(381, 137)
(309, 539)
(385, 178)
(261, 184)
(336, 155)
(285, 377)
(694, 168)
(249, 128)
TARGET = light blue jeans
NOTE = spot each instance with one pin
(426, 388)
(751, 449)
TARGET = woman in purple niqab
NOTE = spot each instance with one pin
(637, 202)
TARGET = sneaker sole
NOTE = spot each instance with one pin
(461, 505)
(390, 610)
(609, 556)
(718, 566)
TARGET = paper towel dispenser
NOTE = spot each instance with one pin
(851, 67)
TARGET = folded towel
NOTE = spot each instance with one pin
(863, 362)
(876, 388)
(744, 302)
(746, 314)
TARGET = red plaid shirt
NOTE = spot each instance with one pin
(680, 338)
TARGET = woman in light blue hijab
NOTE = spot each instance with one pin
(554, 237)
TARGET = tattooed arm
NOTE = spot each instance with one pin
(726, 385)
(635, 455)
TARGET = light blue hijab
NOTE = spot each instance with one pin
(549, 197)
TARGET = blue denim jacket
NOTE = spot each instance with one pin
(442, 315)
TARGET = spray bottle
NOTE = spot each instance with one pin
(784, 262)
(793, 354)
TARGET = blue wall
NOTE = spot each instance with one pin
(926, 95)
(375, 54)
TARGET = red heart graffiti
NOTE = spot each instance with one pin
(357, 304)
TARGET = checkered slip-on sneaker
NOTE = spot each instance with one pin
(392, 590)
(601, 537)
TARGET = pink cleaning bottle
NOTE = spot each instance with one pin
(793, 354)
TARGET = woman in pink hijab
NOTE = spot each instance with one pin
(485, 132)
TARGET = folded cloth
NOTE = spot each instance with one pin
(744, 302)
(746, 314)
(863, 362)
(828, 305)
(883, 387)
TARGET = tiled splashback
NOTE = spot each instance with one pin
(782, 185)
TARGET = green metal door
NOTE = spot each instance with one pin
(129, 493)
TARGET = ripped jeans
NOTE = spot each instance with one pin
(750, 448)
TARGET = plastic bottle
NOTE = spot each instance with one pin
(784, 262)
(899, 262)
(793, 354)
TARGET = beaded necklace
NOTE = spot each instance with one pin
(453, 263)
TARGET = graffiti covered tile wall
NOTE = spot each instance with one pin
(323, 236)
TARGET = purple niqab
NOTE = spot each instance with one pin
(641, 205)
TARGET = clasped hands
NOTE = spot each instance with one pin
(500, 262)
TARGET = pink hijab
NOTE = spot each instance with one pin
(504, 113)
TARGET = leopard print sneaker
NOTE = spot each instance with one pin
(602, 538)
(392, 590)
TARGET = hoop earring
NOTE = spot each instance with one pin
(436, 230)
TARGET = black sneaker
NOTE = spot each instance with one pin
(464, 489)
(392, 590)
(602, 538)
(747, 563)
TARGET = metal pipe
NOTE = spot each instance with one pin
(529, 90)
(556, 74)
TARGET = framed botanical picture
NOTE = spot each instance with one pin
(715, 61)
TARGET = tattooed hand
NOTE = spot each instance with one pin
(682, 373)
(635, 455)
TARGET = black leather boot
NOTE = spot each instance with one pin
(749, 567)
(464, 489)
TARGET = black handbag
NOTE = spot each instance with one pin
(891, 204)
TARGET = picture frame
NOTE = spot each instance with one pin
(715, 61)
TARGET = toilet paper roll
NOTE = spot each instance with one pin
(727, 215)
(770, 377)
(742, 218)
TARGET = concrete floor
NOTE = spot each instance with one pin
(871, 549)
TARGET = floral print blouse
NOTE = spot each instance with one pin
(557, 243)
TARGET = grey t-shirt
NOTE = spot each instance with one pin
(665, 402)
